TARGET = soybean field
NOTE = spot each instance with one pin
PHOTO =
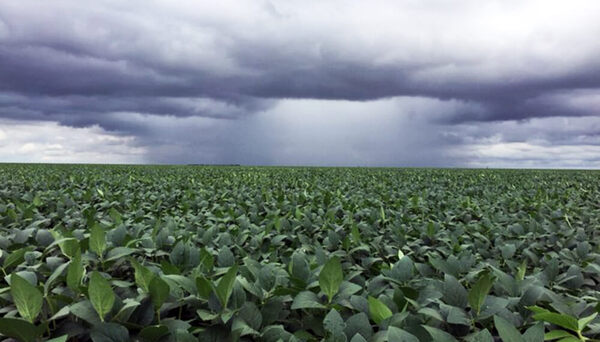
(206, 253)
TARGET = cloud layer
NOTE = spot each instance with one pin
(383, 83)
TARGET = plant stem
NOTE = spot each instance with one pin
(51, 310)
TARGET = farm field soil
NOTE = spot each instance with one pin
(188, 253)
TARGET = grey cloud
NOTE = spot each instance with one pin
(395, 132)
(118, 54)
(431, 77)
(324, 132)
(303, 132)
(79, 111)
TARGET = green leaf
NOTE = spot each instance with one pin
(570, 339)
(299, 267)
(62, 338)
(457, 316)
(29, 276)
(18, 329)
(15, 258)
(97, 240)
(169, 268)
(118, 253)
(359, 324)
(378, 310)
(37, 201)
(109, 332)
(184, 336)
(63, 312)
(355, 234)
(535, 333)
(100, 294)
(507, 332)
(536, 309)
(143, 276)
(153, 333)
(432, 313)
(225, 258)
(508, 250)
(333, 323)
(358, 338)
(251, 315)
(69, 247)
(85, 310)
(398, 335)
(347, 289)
(306, 300)
(43, 237)
(479, 291)
(206, 260)
(556, 334)
(276, 333)
(181, 282)
(159, 291)
(404, 269)
(204, 287)
(205, 315)
(438, 335)
(225, 286)
(331, 277)
(26, 297)
(480, 336)
(226, 315)
(521, 270)
(125, 311)
(563, 321)
(54, 276)
(75, 272)
(241, 328)
(454, 293)
(267, 277)
(582, 323)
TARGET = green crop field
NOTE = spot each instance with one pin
(188, 253)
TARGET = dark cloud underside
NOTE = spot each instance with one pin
(454, 66)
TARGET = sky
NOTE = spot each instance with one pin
(438, 83)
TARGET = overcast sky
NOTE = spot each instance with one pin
(464, 83)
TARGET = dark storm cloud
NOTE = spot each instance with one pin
(460, 73)
(80, 110)
(95, 85)
(66, 59)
